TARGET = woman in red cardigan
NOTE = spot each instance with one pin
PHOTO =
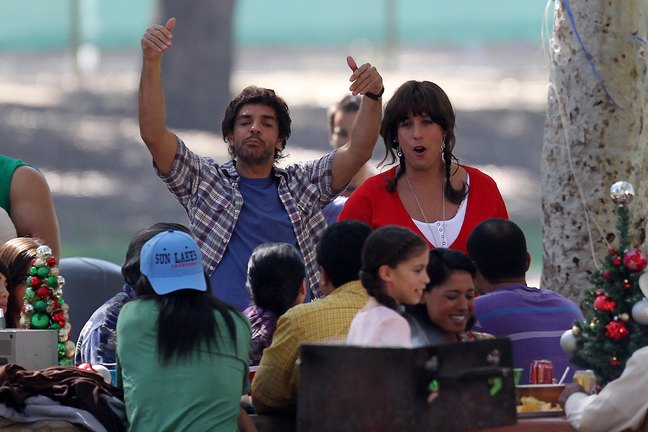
(428, 192)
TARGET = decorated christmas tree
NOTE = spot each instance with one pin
(616, 312)
(43, 304)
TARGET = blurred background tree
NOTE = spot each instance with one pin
(595, 134)
(197, 70)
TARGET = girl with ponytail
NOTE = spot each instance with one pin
(394, 261)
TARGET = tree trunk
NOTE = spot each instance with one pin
(196, 71)
(590, 142)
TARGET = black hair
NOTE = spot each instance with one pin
(443, 262)
(339, 251)
(131, 268)
(348, 104)
(275, 275)
(186, 319)
(421, 98)
(258, 95)
(499, 249)
(388, 245)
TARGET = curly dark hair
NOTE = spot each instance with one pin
(421, 98)
(258, 95)
(389, 245)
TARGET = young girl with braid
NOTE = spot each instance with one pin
(394, 261)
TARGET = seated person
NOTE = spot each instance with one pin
(445, 314)
(394, 259)
(274, 387)
(535, 319)
(26, 197)
(341, 117)
(182, 355)
(98, 339)
(17, 254)
(277, 281)
(620, 406)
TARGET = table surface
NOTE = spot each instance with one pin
(283, 423)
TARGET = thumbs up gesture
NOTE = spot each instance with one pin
(158, 39)
(364, 79)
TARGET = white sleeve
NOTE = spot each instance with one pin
(621, 405)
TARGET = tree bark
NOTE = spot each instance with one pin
(590, 142)
(196, 71)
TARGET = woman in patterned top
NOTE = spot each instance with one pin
(276, 280)
(445, 313)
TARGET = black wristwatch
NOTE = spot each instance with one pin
(374, 96)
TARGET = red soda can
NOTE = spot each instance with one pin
(541, 372)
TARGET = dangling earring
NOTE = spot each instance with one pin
(399, 152)
(442, 146)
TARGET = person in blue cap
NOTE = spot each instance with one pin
(176, 335)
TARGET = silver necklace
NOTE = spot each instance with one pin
(440, 224)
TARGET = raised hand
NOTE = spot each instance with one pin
(158, 39)
(364, 79)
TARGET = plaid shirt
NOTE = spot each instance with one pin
(210, 195)
(97, 342)
(323, 321)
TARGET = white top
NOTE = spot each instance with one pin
(7, 228)
(376, 325)
(621, 405)
(443, 233)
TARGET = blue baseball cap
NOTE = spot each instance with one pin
(172, 261)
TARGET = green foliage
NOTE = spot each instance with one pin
(608, 306)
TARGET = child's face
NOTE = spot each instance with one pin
(407, 280)
(4, 294)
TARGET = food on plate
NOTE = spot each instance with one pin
(531, 404)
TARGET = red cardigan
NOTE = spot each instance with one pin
(373, 204)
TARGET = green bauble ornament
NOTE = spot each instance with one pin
(42, 272)
(61, 349)
(33, 271)
(55, 326)
(29, 294)
(65, 362)
(52, 281)
(40, 321)
(40, 305)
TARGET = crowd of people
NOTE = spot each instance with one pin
(329, 250)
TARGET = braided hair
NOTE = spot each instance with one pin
(389, 245)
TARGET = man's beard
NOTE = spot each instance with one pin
(252, 157)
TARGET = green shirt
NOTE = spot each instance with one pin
(7, 167)
(200, 393)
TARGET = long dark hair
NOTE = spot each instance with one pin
(389, 245)
(186, 320)
(421, 98)
(275, 275)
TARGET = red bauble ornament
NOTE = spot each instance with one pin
(614, 362)
(51, 261)
(34, 281)
(616, 331)
(42, 292)
(634, 260)
(616, 261)
(612, 251)
(607, 275)
(602, 303)
(626, 284)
